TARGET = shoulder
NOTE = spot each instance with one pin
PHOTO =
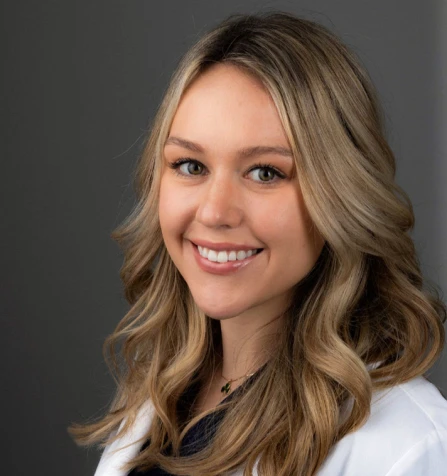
(406, 434)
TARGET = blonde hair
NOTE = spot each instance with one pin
(362, 319)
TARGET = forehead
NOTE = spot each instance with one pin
(227, 107)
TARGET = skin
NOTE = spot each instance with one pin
(226, 196)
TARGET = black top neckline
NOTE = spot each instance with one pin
(202, 432)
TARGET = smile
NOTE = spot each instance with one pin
(222, 256)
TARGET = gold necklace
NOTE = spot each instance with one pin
(227, 387)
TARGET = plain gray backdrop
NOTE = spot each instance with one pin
(81, 83)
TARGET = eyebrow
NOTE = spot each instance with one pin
(246, 152)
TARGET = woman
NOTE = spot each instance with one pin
(278, 321)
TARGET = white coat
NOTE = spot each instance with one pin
(405, 435)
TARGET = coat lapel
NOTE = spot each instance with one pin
(121, 451)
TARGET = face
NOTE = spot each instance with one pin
(231, 211)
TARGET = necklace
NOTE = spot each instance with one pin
(227, 387)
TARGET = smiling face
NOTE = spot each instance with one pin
(231, 212)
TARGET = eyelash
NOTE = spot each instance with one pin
(178, 163)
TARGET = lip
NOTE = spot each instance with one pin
(229, 267)
(223, 246)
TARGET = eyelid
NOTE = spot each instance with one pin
(267, 166)
(183, 160)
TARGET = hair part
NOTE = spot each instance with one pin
(361, 320)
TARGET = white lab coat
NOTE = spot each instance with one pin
(405, 435)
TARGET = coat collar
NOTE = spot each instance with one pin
(122, 450)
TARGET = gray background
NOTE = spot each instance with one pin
(81, 83)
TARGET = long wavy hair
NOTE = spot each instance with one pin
(362, 319)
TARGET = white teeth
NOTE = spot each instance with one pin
(232, 256)
(224, 256)
(212, 256)
(203, 251)
(241, 255)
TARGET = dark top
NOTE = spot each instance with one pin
(198, 436)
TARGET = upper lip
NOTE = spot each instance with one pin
(223, 246)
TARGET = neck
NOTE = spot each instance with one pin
(248, 341)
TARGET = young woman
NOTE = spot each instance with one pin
(279, 324)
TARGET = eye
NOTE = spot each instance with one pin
(265, 173)
(191, 168)
(188, 167)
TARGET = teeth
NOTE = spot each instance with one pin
(224, 256)
(212, 255)
(203, 251)
(241, 255)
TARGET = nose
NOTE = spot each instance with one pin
(220, 204)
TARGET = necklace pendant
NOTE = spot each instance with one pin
(226, 388)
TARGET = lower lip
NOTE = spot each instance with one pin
(221, 268)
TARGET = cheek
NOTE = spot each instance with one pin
(288, 230)
(168, 208)
(278, 218)
(175, 209)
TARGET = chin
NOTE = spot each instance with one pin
(220, 317)
(220, 312)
